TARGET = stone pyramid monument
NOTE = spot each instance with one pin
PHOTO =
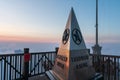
(72, 61)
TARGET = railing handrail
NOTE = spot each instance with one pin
(42, 52)
(13, 54)
(103, 55)
(18, 54)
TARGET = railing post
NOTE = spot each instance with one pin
(56, 49)
(89, 51)
(26, 63)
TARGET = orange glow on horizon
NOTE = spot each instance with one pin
(50, 39)
(27, 39)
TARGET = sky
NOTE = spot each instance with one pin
(45, 20)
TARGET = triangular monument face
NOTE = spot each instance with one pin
(72, 61)
(72, 37)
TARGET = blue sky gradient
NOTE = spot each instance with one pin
(45, 20)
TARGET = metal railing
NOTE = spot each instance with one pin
(41, 62)
(107, 65)
(12, 65)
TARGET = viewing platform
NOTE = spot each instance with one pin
(12, 66)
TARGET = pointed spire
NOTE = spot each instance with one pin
(75, 40)
(72, 11)
(72, 60)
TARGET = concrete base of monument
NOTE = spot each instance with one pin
(51, 75)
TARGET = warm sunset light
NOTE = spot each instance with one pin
(42, 21)
(27, 39)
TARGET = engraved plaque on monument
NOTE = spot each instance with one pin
(72, 61)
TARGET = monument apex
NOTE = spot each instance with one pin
(72, 36)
